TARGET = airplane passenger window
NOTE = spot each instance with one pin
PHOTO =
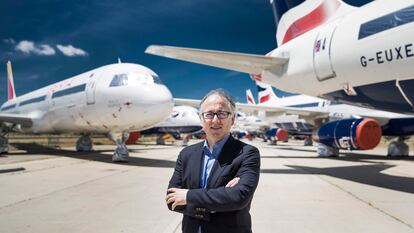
(119, 80)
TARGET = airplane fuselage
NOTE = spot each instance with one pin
(364, 57)
(114, 98)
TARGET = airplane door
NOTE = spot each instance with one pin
(91, 88)
(322, 53)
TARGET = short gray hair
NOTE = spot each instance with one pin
(223, 93)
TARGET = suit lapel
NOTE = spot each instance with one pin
(196, 160)
(226, 156)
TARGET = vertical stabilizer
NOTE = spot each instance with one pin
(249, 96)
(295, 17)
(11, 94)
(265, 93)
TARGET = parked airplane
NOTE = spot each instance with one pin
(361, 56)
(114, 99)
(329, 111)
(183, 120)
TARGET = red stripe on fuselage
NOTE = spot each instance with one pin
(310, 21)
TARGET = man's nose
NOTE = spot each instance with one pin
(215, 118)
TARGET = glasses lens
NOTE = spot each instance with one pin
(208, 115)
(222, 115)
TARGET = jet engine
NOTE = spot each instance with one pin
(353, 134)
(279, 133)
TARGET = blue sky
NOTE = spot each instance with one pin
(51, 40)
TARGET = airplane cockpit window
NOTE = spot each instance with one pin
(119, 80)
(134, 79)
(157, 80)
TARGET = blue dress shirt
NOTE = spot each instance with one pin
(210, 156)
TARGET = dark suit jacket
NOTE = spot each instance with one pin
(218, 209)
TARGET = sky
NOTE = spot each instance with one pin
(50, 40)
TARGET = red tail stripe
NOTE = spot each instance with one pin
(264, 98)
(10, 90)
(309, 21)
(249, 100)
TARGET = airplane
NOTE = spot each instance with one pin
(328, 111)
(114, 99)
(361, 56)
(182, 120)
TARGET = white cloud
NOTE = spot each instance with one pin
(45, 50)
(29, 47)
(71, 51)
(25, 46)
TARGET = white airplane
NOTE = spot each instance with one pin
(182, 120)
(114, 99)
(361, 56)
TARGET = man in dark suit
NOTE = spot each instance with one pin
(214, 180)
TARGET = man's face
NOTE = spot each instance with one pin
(215, 128)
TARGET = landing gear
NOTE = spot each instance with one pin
(186, 139)
(398, 148)
(84, 143)
(327, 151)
(272, 141)
(308, 141)
(121, 153)
(4, 145)
(160, 140)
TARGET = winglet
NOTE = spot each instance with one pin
(10, 82)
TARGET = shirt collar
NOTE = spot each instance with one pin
(216, 148)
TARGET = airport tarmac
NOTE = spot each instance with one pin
(48, 190)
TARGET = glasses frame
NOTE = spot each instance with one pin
(216, 114)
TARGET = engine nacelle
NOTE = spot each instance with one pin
(354, 134)
(279, 133)
(133, 137)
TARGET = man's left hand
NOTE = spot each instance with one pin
(177, 197)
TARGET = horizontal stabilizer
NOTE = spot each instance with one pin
(24, 121)
(246, 63)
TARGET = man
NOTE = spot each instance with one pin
(214, 180)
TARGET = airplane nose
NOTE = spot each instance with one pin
(159, 102)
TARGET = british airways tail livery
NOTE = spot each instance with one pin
(114, 99)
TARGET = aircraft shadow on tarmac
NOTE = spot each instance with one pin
(343, 155)
(364, 174)
(96, 155)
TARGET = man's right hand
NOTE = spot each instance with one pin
(233, 182)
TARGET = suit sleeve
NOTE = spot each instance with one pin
(176, 181)
(230, 199)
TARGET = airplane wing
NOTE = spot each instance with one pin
(23, 120)
(190, 102)
(246, 63)
(254, 107)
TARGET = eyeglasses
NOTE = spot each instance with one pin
(220, 115)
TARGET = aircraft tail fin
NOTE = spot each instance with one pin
(295, 17)
(11, 94)
(249, 96)
(265, 93)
